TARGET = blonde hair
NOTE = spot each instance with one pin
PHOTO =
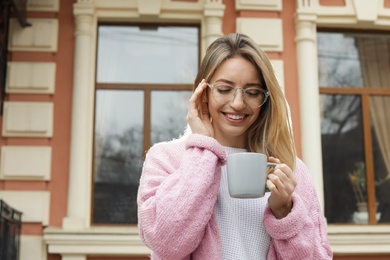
(271, 133)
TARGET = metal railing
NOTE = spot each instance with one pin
(10, 222)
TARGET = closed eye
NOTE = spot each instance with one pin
(253, 92)
(224, 88)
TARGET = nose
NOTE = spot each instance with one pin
(238, 99)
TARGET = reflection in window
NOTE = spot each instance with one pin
(134, 54)
(340, 66)
(168, 117)
(380, 114)
(118, 155)
(340, 113)
(342, 149)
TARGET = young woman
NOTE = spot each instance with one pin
(184, 208)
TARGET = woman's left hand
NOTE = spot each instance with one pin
(281, 182)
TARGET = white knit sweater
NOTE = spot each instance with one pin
(240, 222)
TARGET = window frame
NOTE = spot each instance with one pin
(147, 88)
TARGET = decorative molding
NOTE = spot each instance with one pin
(42, 35)
(43, 5)
(267, 32)
(95, 241)
(32, 248)
(357, 14)
(36, 163)
(261, 5)
(150, 7)
(366, 11)
(28, 119)
(359, 239)
(31, 77)
(34, 205)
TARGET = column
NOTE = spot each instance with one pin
(82, 111)
(309, 99)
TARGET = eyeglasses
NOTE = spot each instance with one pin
(224, 93)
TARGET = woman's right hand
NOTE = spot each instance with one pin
(198, 116)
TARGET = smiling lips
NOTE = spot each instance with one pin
(235, 117)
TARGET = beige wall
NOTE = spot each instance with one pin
(35, 156)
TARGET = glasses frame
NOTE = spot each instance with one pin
(244, 90)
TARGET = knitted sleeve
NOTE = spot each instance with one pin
(177, 193)
(302, 233)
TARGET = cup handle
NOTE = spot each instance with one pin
(270, 164)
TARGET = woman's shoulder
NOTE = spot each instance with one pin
(173, 146)
(300, 165)
(177, 147)
(302, 172)
(304, 179)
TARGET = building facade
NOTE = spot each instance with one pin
(85, 71)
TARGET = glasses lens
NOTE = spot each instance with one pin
(254, 97)
(223, 93)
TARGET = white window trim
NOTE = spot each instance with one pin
(310, 14)
(77, 238)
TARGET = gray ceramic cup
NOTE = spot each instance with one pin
(247, 174)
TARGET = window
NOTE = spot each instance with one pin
(144, 80)
(354, 79)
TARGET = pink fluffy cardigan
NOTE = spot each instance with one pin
(176, 197)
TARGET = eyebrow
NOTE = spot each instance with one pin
(232, 83)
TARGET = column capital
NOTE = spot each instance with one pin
(83, 7)
(84, 15)
(306, 30)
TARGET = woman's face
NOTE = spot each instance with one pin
(232, 120)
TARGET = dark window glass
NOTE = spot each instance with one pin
(354, 80)
(169, 109)
(343, 153)
(118, 155)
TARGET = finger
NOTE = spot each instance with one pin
(196, 96)
(285, 173)
(286, 177)
(276, 181)
(195, 101)
(273, 159)
(271, 186)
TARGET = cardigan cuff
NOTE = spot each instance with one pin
(209, 143)
(290, 225)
